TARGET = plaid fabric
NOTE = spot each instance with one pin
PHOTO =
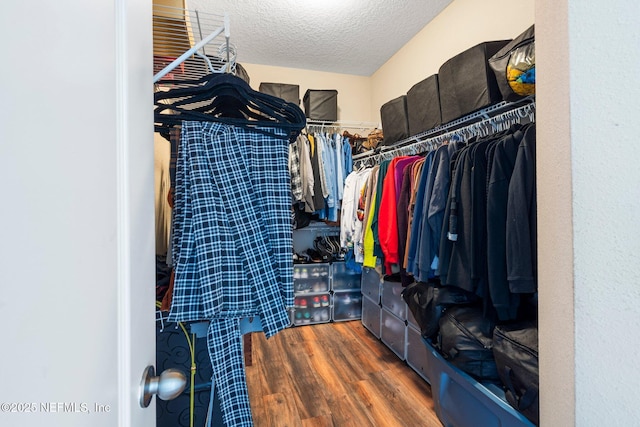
(294, 170)
(232, 243)
(224, 341)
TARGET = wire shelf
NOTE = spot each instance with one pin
(176, 31)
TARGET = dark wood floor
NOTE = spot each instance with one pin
(334, 374)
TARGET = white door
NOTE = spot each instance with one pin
(76, 212)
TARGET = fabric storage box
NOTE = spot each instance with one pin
(371, 316)
(423, 106)
(288, 92)
(371, 284)
(467, 83)
(417, 352)
(321, 105)
(395, 124)
(393, 332)
(343, 279)
(311, 278)
(347, 305)
(392, 299)
(452, 389)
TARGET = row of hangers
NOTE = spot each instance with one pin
(480, 129)
(228, 99)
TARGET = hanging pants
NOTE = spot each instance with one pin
(232, 244)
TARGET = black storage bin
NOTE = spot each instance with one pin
(423, 106)
(288, 92)
(321, 104)
(467, 83)
(395, 123)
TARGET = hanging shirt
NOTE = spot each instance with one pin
(306, 173)
(348, 159)
(359, 220)
(318, 198)
(350, 206)
(294, 171)
(232, 245)
(339, 162)
(369, 259)
(388, 218)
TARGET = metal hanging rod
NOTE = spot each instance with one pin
(343, 124)
(483, 123)
(467, 120)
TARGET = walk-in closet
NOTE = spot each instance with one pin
(283, 213)
(315, 260)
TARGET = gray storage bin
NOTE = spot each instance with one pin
(393, 332)
(467, 83)
(371, 284)
(288, 92)
(321, 104)
(371, 312)
(395, 123)
(423, 106)
(392, 299)
(417, 353)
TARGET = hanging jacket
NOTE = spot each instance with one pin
(388, 218)
(521, 218)
(502, 163)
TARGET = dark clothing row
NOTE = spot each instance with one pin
(488, 243)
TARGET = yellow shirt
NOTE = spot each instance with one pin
(369, 257)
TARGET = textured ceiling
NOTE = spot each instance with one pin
(340, 36)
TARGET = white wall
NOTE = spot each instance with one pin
(589, 195)
(76, 130)
(463, 24)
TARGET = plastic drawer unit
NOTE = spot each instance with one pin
(310, 309)
(344, 279)
(310, 278)
(393, 332)
(417, 356)
(461, 401)
(392, 299)
(347, 305)
(311, 285)
(371, 284)
(371, 315)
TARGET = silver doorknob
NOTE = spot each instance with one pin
(167, 386)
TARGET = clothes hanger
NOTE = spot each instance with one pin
(229, 99)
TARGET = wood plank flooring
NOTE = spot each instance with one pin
(334, 375)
